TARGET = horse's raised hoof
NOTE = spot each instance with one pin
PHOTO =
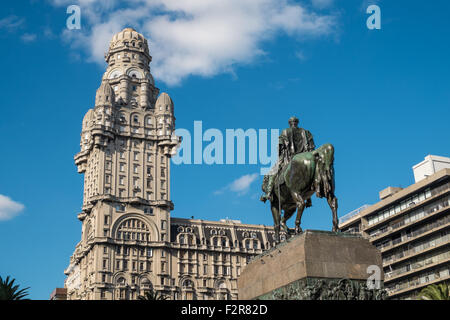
(298, 230)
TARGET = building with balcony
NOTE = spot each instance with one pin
(411, 228)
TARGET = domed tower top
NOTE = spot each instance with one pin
(105, 94)
(128, 40)
(164, 104)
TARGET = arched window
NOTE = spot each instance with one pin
(134, 73)
(133, 229)
(115, 73)
(121, 281)
(188, 284)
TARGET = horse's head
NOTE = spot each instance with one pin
(324, 175)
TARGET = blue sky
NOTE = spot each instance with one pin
(381, 97)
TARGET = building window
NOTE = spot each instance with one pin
(216, 270)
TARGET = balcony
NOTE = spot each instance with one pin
(407, 254)
(366, 228)
(407, 287)
(417, 267)
(434, 209)
(442, 224)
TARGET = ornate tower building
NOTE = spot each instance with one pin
(126, 143)
(129, 243)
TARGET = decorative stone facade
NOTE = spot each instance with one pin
(129, 242)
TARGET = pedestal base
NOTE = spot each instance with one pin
(315, 265)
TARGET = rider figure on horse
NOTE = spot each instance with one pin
(292, 141)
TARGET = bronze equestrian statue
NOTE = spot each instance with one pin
(300, 172)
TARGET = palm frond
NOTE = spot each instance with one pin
(153, 295)
(9, 291)
(435, 292)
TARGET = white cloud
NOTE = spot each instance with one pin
(9, 208)
(240, 186)
(197, 37)
(28, 37)
(11, 22)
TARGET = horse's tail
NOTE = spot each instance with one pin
(324, 175)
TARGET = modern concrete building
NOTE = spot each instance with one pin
(411, 227)
(129, 241)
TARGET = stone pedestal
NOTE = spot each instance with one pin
(315, 265)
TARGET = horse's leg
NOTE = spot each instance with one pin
(298, 219)
(300, 204)
(287, 215)
(332, 202)
(276, 218)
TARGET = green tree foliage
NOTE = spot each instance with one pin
(9, 291)
(435, 292)
(153, 295)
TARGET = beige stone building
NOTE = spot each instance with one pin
(411, 228)
(129, 241)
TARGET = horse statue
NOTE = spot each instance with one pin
(306, 173)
